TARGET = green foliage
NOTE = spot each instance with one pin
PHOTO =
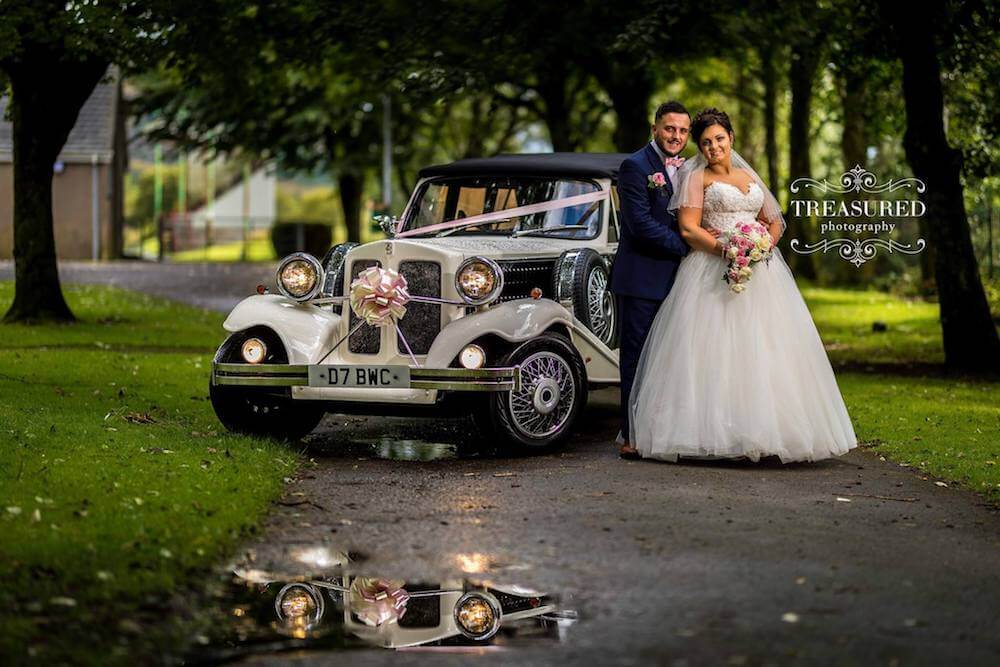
(119, 487)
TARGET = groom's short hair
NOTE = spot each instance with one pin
(670, 107)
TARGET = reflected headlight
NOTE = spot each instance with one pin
(299, 276)
(477, 615)
(299, 605)
(479, 280)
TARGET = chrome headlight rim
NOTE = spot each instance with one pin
(312, 261)
(494, 606)
(492, 295)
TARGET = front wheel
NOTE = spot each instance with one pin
(553, 392)
(253, 411)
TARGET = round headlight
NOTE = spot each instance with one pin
(299, 276)
(477, 615)
(479, 280)
(472, 356)
(253, 350)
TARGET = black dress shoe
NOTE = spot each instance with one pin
(631, 454)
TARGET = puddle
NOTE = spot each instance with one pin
(258, 612)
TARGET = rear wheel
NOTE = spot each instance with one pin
(261, 411)
(553, 392)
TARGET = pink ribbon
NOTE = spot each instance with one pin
(518, 211)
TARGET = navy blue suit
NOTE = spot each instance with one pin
(650, 249)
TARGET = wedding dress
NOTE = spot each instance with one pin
(727, 375)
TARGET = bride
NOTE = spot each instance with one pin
(727, 373)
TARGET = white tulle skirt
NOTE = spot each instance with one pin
(725, 375)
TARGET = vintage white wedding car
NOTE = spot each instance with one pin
(489, 297)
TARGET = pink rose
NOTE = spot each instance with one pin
(659, 179)
(733, 276)
(742, 260)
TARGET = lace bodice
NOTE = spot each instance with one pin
(726, 205)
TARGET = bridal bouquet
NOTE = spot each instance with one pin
(748, 244)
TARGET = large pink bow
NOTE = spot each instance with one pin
(379, 296)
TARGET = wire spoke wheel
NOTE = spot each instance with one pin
(600, 306)
(548, 393)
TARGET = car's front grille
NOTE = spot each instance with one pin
(367, 339)
(422, 321)
(520, 276)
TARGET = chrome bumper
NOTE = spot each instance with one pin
(445, 379)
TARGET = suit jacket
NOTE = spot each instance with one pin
(650, 246)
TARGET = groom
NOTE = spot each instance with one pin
(650, 246)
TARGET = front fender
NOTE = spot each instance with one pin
(514, 321)
(304, 330)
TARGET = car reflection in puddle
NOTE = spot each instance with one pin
(262, 612)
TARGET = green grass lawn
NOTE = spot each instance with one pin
(845, 318)
(948, 427)
(117, 486)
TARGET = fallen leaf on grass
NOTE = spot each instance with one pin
(945, 485)
(139, 418)
(790, 617)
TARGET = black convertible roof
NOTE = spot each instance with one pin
(593, 165)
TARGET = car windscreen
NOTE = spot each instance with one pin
(448, 199)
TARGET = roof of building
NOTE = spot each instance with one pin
(592, 165)
(92, 135)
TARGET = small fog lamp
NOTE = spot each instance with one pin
(472, 356)
(253, 350)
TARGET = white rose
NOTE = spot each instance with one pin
(733, 252)
(746, 272)
(756, 254)
(737, 287)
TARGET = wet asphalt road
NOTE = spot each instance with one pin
(691, 563)
(847, 561)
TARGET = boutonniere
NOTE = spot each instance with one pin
(657, 181)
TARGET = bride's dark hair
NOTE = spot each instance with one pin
(706, 118)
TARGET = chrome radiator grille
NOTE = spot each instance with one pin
(366, 340)
(522, 275)
(422, 321)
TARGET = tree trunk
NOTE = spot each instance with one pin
(552, 89)
(801, 74)
(46, 97)
(854, 141)
(350, 189)
(770, 116)
(119, 166)
(630, 98)
(746, 115)
(970, 336)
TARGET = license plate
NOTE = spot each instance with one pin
(371, 377)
